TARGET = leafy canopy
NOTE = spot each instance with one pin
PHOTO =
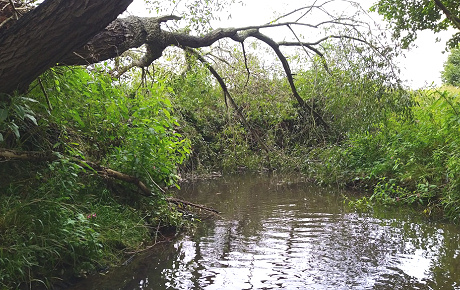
(407, 17)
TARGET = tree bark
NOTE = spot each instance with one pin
(132, 32)
(42, 37)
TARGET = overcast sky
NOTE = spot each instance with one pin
(421, 66)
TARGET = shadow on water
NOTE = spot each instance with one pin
(276, 234)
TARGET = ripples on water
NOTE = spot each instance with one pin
(278, 236)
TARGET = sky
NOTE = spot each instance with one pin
(421, 66)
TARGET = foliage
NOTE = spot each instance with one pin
(363, 85)
(399, 145)
(67, 225)
(60, 219)
(412, 161)
(14, 113)
(350, 100)
(408, 17)
(451, 73)
(130, 131)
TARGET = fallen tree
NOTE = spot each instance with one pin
(73, 33)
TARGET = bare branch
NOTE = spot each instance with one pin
(311, 48)
(245, 64)
(310, 8)
(275, 46)
(229, 98)
(310, 44)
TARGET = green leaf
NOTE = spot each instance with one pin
(13, 127)
(19, 111)
(29, 99)
(32, 118)
(77, 118)
(3, 114)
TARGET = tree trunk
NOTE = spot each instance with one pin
(42, 37)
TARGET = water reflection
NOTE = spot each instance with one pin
(277, 235)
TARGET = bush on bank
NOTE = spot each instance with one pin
(62, 219)
(411, 161)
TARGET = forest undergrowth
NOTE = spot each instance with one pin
(62, 217)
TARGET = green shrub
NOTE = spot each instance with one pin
(62, 219)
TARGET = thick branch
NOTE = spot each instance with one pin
(132, 32)
(455, 20)
(120, 36)
(42, 37)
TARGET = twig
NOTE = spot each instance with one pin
(199, 206)
(46, 95)
(245, 64)
(311, 48)
(16, 13)
(133, 253)
(5, 21)
(153, 181)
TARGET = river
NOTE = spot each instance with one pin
(282, 233)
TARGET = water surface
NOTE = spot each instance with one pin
(277, 234)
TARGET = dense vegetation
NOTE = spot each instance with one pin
(60, 218)
(400, 145)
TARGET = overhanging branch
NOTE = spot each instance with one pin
(44, 36)
(228, 97)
